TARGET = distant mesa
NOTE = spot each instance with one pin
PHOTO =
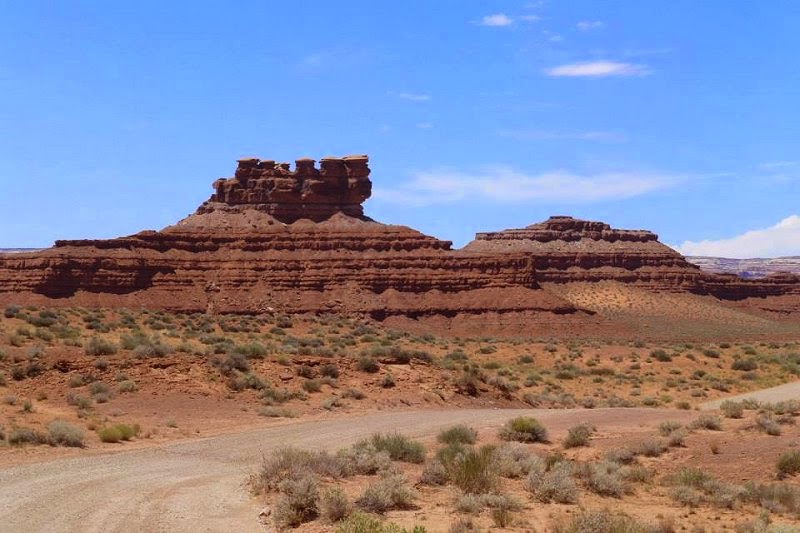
(273, 238)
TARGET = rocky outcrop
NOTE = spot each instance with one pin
(339, 185)
(748, 268)
(281, 239)
(566, 249)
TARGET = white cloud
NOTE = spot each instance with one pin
(530, 18)
(497, 20)
(597, 69)
(586, 25)
(782, 239)
(545, 135)
(411, 97)
(504, 185)
(425, 125)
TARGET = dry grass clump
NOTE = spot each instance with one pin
(692, 487)
(524, 429)
(605, 478)
(710, 422)
(334, 505)
(297, 502)
(732, 409)
(62, 433)
(470, 469)
(555, 484)
(388, 493)
(363, 523)
(603, 522)
(578, 436)
(788, 463)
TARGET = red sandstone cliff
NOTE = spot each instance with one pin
(273, 238)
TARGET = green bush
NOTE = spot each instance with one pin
(788, 463)
(471, 470)
(399, 447)
(524, 429)
(460, 434)
(118, 432)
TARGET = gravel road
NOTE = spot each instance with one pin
(787, 391)
(199, 485)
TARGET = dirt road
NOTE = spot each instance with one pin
(787, 391)
(198, 486)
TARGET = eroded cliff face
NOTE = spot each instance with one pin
(273, 238)
(567, 250)
(290, 241)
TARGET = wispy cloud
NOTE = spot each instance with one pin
(501, 20)
(779, 165)
(587, 25)
(597, 69)
(425, 125)
(411, 97)
(338, 58)
(505, 185)
(782, 239)
(545, 135)
(497, 20)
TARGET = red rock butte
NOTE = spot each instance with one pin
(297, 241)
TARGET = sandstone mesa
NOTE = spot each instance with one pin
(273, 238)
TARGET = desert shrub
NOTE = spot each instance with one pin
(651, 447)
(61, 433)
(660, 355)
(744, 365)
(386, 494)
(399, 447)
(363, 459)
(524, 429)
(11, 311)
(368, 364)
(387, 382)
(276, 412)
(98, 387)
(788, 463)
(578, 436)
(76, 381)
(623, 456)
(677, 438)
(97, 346)
(605, 478)
(471, 470)
(601, 522)
(668, 426)
(711, 422)
(359, 522)
(353, 393)
(294, 464)
(81, 402)
(227, 363)
(460, 434)
(297, 502)
(251, 350)
(22, 436)
(732, 409)
(780, 498)
(554, 485)
(463, 525)
(329, 370)
(434, 473)
(127, 385)
(767, 424)
(334, 506)
(312, 385)
(118, 432)
(513, 460)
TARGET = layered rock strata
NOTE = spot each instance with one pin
(566, 249)
(280, 239)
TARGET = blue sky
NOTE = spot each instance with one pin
(679, 116)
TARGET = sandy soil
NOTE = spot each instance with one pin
(199, 485)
